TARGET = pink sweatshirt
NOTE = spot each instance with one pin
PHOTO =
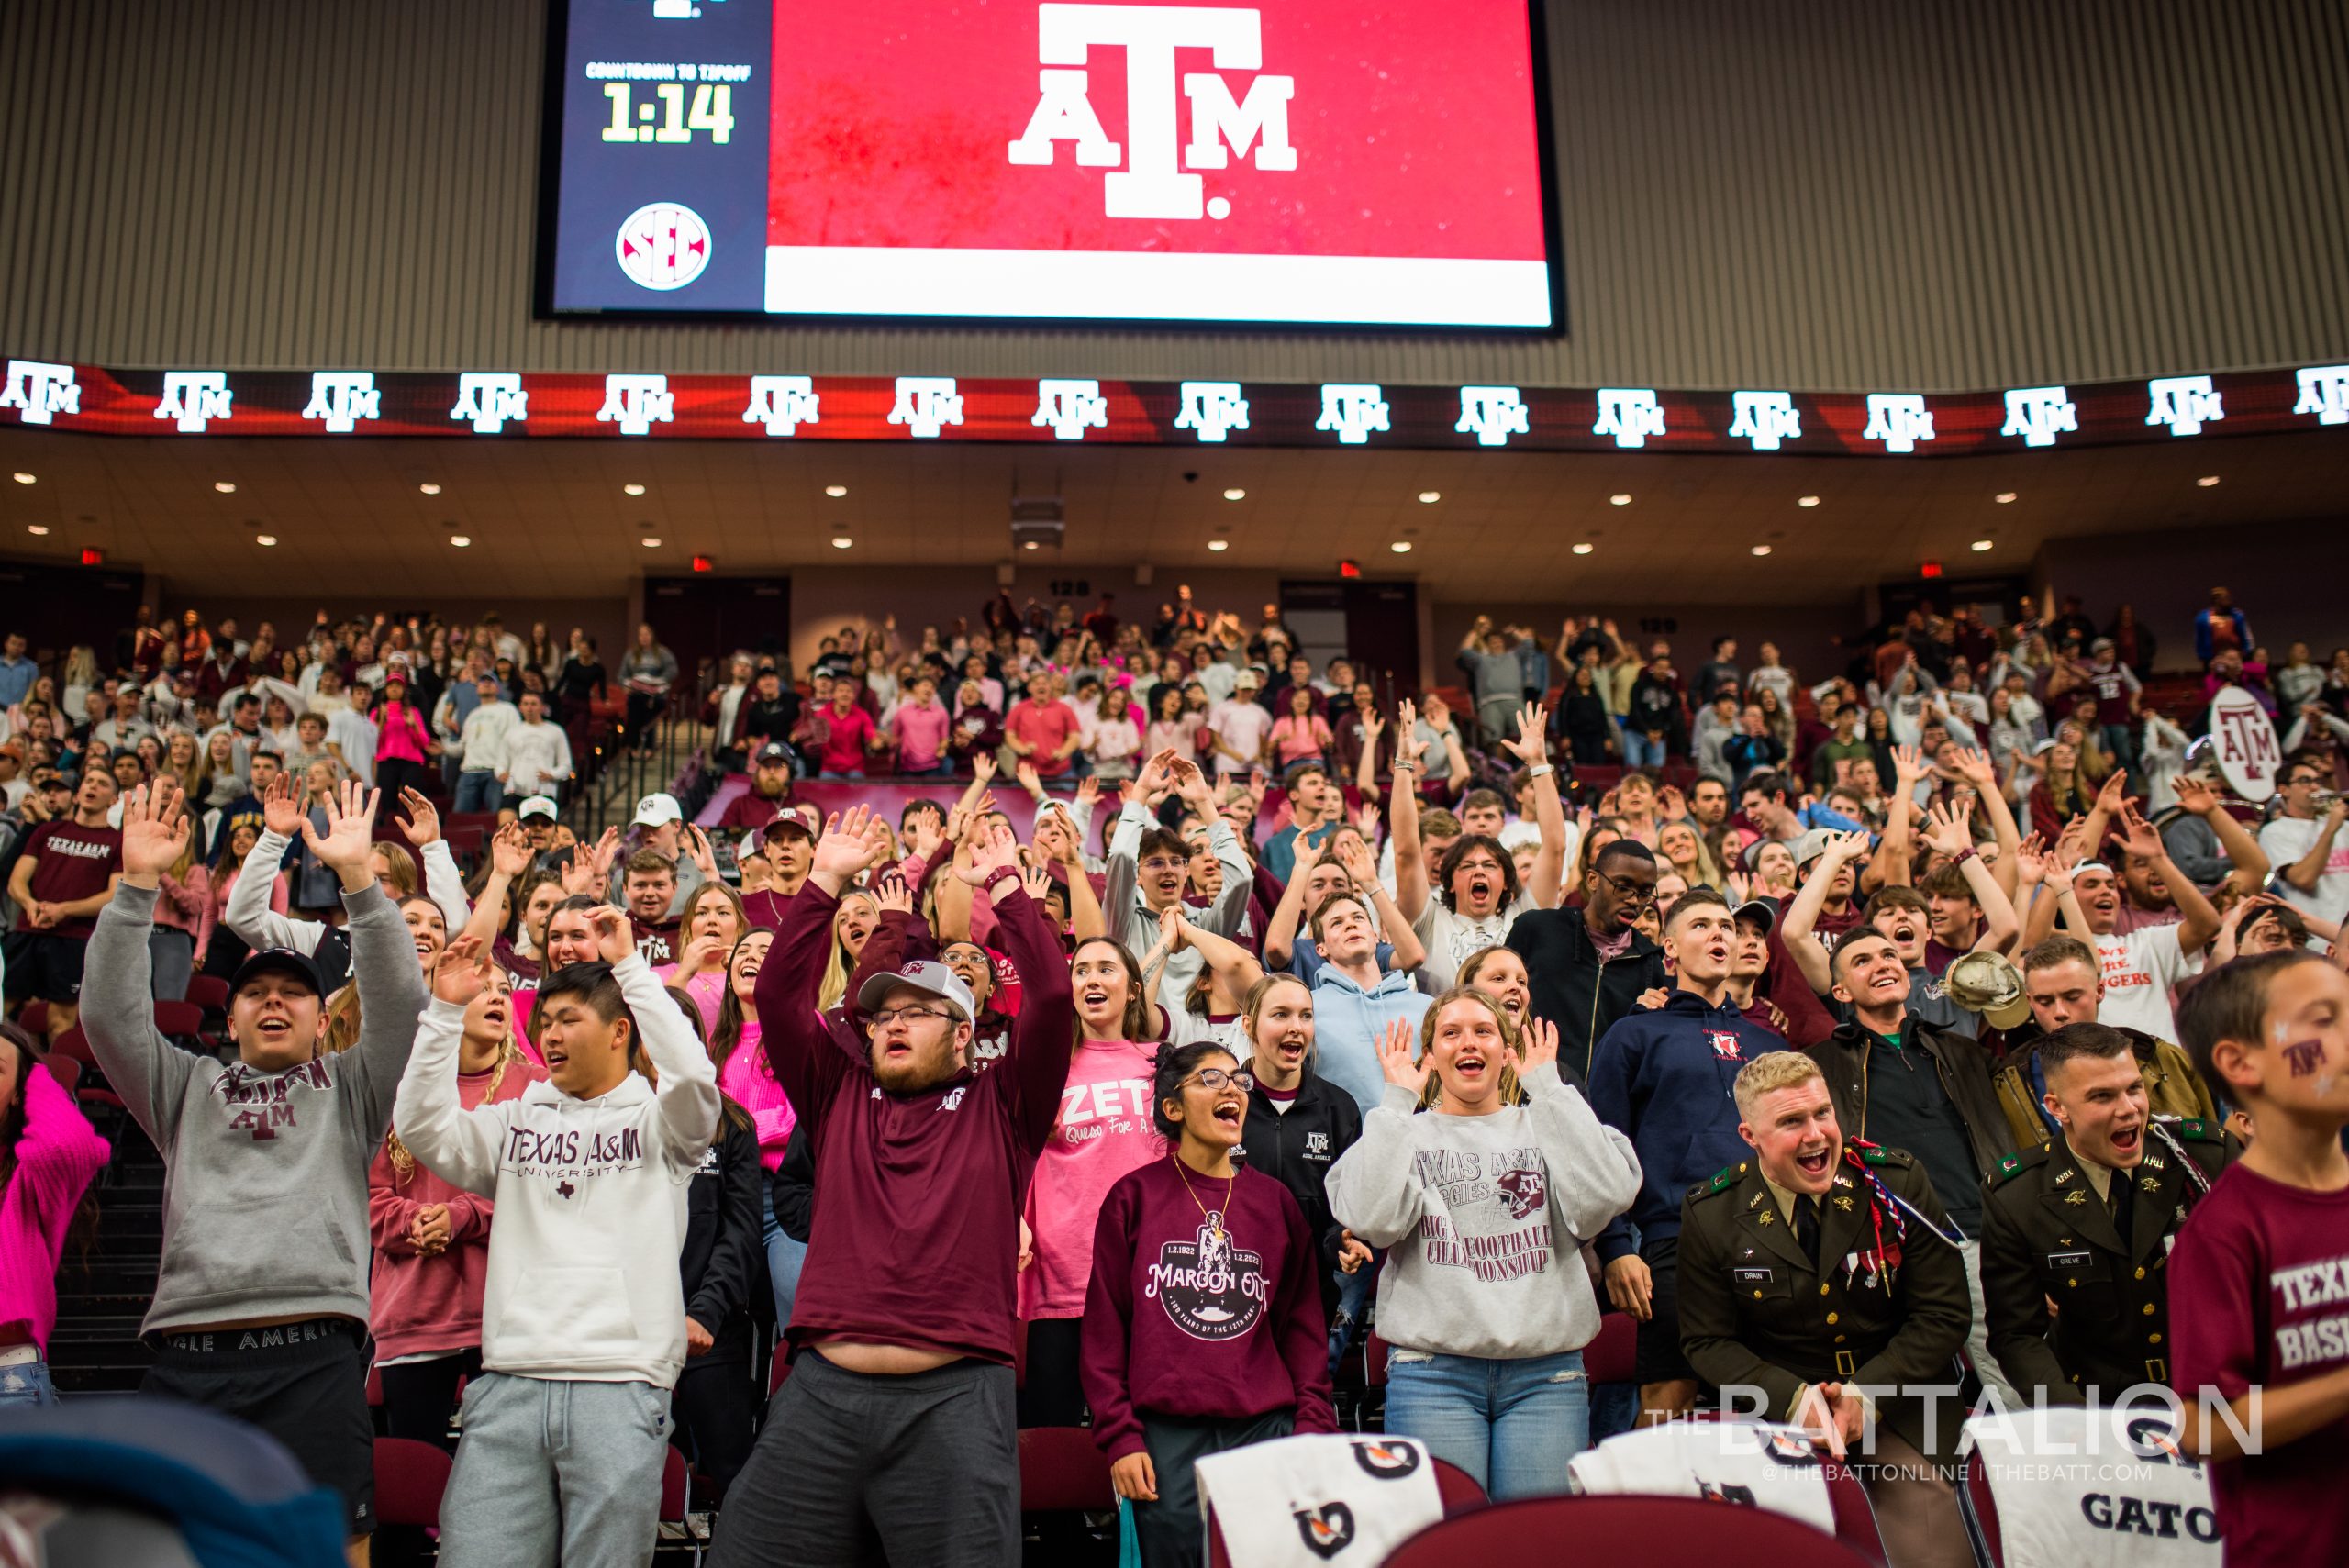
(57, 1156)
(748, 1077)
(419, 1304)
(187, 905)
(1102, 1131)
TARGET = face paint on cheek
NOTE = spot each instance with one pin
(2304, 1057)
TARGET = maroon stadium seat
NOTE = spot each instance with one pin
(410, 1477)
(1458, 1489)
(1655, 1532)
(1607, 1358)
(1061, 1471)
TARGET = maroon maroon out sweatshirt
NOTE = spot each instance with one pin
(1179, 1324)
(915, 1238)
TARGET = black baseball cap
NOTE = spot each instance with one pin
(278, 961)
(771, 753)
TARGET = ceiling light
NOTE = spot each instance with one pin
(1761, 550)
(2004, 497)
(37, 529)
(460, 540)
(429, 488)
(1806, 500)
(2207, 481)
(650, 542)
(264, 539)
(225, 486)
(1584, 547)
(24, 478)
(842, 541)
(1401, 547)
(1620, 498)
(1430, 498)
(1980, 545)
(1235, 494)
(1218, 545)
(631, 489)
(834, 491)
(1030, 544)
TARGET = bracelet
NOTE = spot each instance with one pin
(1540, 770)
(1961, 856)
(1401, 766)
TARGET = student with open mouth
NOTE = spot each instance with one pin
(1203, 1323)
(1301, 1124)
(1482, 1205)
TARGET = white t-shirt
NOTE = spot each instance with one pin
(1243, 725)
(2287, 839)
(2140, 970)
(1451, 939)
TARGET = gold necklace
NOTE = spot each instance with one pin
(1215, 1220)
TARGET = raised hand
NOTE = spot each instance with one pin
(2138, 836)
(891, 894)
(1842, 847)
(1537, 1039)
(460, 971)
(155, 829)
(2195, 795)
(579, 876)
(1373, 726)
(509, 851)
(423, 824)
(1398, 1047)
(982, 767)
(614, 938)
(1908, 764)
(349, 840)
(1361, 869)
(1035, 880)
(1531, 744)
(1946, 830)
(2031, 862)
(1976, 767)
(701, 955)
(851, 842)
(281, 809)
(1367, 820)
(993, 848)
(698, 850)
(607, 852)
(1192, 786)
(1026, 774)
(927, 838)
(1088, 789)
(1671, 806)
(2110, 798)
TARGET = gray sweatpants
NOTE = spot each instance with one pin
(554, 1469)
(928, 1463)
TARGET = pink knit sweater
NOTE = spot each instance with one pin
(57, 1155)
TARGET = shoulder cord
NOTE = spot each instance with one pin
(2193, 1171)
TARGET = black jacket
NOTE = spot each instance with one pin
(1964, 1073)
(792, 1186)
(1576, 989)
(1297, 1147)
(723, 1260)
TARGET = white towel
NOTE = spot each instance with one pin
(1303, 1502)
(1745, 1462)
(2103, 1488)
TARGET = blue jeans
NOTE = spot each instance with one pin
(27, 1386)
(1353, 1294)
(477, 790)
(785, 1258)
(1639, 751)
(851, 774)
(1511, 1424)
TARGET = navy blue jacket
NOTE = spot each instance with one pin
(1663, 1080)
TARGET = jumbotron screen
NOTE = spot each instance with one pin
(1341, 162)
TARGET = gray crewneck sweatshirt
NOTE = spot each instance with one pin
(265, 1173)
(1483, 1218)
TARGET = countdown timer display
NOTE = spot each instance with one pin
(1324, 162)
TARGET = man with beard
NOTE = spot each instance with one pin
(769, 794)
(2085, 1220)
(1586, 967)
(1814, 1272)
(1662, 1079)
(898, 1414)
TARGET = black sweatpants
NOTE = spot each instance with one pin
(1170, 1531)
(714, 1413)
(1052, 1393)
(420, 1397)
(929, 1463)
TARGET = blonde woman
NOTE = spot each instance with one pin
(220, 776)
(852, 923)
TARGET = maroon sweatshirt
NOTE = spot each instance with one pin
(915, 1238)
(1171, 1329)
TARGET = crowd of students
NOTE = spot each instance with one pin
(1347, 1012)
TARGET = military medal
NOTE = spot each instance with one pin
(1844, 1204)
(2149, 1183)
(2076, 1197)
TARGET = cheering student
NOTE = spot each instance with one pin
(1482, 1296)
(748, 1078)
(431, 1255)
(1202, 1324)
(1304, 1124)
(582, 1322)
(49, 1156)
(260, 1305)
(897, 1416)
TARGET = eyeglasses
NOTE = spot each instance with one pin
(1631, 892)
(887, 1015)
(1163, 863)
(2299, 779)
(1213, 1079)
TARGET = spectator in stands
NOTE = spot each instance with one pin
(738, 1046)
(1479, 896)
(18, 671)
(1176, 1371)
(2062, 982)
(1115, 744)
(1299, 735)
(1588, 965)
(1487, 1365)
(2219, 628)
(918, 729)
(482, 744)
(537, 755)
(1493, 657)
(66, 873)
(659, 826)
(2305, 842)
(182, 932)
(768, 716)
(279, 1236)
(1316, 809)
(1041, 730)
(1237, 729)
(934, 1467)
(1148, 867)
(722, 1272)
(842, 734)
(1582, 721)
(585, 1326)
(1303, 1122)
(2143, 966)
(48, 1156)
(648, 670)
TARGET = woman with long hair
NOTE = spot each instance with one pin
(1299, 735)
(1117, 738)
(48, 1156)
(182, 936)
(1487, 1361)
(707, 929)
(1582, 721)
(1777, 716)
(1173, 725)
(1104, 1130)
(521, 950)
(1678, 843)
(736, 1045)
(183, 760)
(1222, 1351)
(432, 1239)
(221, 775)
(1302, 1122)
(225, 949)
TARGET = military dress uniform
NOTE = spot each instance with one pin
(1860, 1292)
(2103, 1259)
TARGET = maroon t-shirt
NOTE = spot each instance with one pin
(751, 809)
(2259, 1295)
(915, 1238)
(70, 861)
(1190, 1317)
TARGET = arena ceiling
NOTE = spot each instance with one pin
(553, 517)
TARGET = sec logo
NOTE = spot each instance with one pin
(662, 246)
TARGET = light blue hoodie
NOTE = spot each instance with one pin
(1347, 1022)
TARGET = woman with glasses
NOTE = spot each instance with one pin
(1481, 1204)
(1203, 1325)
(1105, 1129)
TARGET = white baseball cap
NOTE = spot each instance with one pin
(544, 805)
(658, 809)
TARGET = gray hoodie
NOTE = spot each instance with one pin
(265, 1174)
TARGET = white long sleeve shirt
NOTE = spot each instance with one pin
(258, 926)
(485, 736)
(538, 756)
